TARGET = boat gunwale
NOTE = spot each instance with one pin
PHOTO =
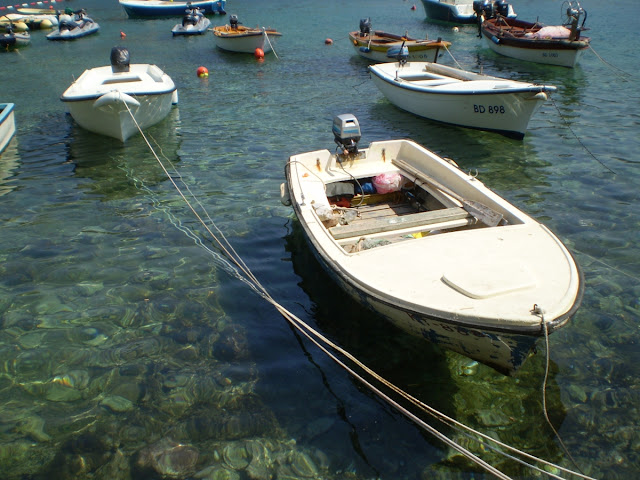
(409, 85)
(490, 29)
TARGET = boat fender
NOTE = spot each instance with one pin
(365, 49)
(540, 96)
(285, 197)
(495, 39)
(114, 98)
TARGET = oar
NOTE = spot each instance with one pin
(480, 211)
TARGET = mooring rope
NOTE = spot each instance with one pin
(269, 41)
(320, 341)
(578, 138)
(610, 65)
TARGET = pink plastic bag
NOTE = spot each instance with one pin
(387, 182)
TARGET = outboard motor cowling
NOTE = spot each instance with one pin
(120, 59)
(482, 7)
(233, 21)
(365, 27)
(346, 132)
(502, 8)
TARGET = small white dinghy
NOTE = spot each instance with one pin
(458, 97)
(120, 99)
(193, 23)
(431, 248)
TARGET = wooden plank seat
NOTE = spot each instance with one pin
(370, 226)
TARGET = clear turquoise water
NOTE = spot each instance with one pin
(121, 338)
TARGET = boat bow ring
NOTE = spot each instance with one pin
(488, 280)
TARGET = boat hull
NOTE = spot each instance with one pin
(245, 42)
(505, 111)
(7, 124)
(16, 39)
(162, 8)
(548, 51)
(119, 104)
(454, 11)
(419, 50)
(411, 281)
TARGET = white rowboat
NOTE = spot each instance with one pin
(449, 95)
(429, 255)
(118, 100)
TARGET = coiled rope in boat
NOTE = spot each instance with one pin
(240, 270)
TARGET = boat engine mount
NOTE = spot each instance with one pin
(346, 133)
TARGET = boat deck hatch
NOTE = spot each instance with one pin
(488, 280)
(111, 81)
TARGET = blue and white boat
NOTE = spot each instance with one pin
(466, 11)
(7, 124)
(72, 27)
(164, 8)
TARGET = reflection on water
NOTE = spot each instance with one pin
(9, 162)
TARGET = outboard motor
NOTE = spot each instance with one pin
(233, 21)
(346, 132)
(501, 8)
(574, 12)
(483, 8)
(365, 27)
(120, 60)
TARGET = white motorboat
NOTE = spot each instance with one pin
(164, 8)
(235, 37)
(431, 248)
(7, 124)
(466, 11)
(77, 26)
(459, 97)
(379, 46)
(560, 45)
(121, 99)
(193, 23)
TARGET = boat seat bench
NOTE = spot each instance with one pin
(419, 221)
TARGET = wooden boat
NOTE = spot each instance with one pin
(384, 47)
(80, 25)
(449, 95)
(235, 37)
(533, 42)
(7, 124)
(193, 23)
(115, 100)
(432, 249)
(11, 39)
(164, 8)
(465, 11)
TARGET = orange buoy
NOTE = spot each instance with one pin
(328, 41)
(122, 34)
(258, 53)
(202, 72)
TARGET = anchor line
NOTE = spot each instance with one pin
(545, 328)
(269, 42)
(324, 343)
(621, 73)
(578, 138)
